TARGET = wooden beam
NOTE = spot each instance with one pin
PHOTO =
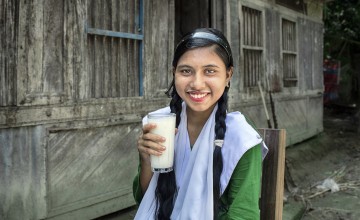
(272, 189)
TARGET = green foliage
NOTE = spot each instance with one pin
(342, 19)
(342, 25)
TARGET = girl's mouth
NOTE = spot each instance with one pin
(197, 97)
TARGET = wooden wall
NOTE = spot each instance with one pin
(298, 108)
(70, 112)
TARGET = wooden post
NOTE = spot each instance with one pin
(272, 189)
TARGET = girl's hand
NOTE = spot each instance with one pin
(150, 144)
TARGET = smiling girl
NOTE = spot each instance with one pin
(218, 155)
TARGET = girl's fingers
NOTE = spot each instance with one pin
(146, 128)
(153, 137)
(150, 144)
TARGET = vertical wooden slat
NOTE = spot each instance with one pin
(251, 67)
(294, 37)
(288, 34)
(130, 87)
(251, 76)
(272, 189)
(256, 27)
(246, 64)
(98, 52)
(123, 49)
(73, 45)
(256, 58)
(248, 55)
(113, 48)
(254, 66)
(254, 37)
(132, 73)
(243, 25)
(246, 32)
(285, 35)
(253, 15)
(136, 49)
(106, 72)
(34, 42)
(260, 29)
(53, 76)
(8, 45)
(3, 47)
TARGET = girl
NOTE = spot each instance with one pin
(218, 155)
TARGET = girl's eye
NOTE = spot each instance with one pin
(185, 72)
(210, 71)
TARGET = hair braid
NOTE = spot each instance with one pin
(166, 188)
(220, 129)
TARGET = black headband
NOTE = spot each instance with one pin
(209, 36)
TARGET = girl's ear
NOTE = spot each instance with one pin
(229, 74)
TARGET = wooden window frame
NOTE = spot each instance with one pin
(258, 48)
(289, 82)
(124, 35)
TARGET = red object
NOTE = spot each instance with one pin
(331, 71)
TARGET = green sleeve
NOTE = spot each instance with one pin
(240, 200)
(137, 188)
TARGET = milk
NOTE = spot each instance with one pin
(165, 128)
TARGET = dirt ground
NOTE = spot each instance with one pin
(334, 156)
(323, 173)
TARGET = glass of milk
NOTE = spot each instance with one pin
(165, 127)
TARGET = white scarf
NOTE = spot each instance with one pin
(194, 169)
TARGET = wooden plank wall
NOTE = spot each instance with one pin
(310, 48)
(158, 47)
(72, 135)
(298, 109)
(273, 45)
(40, 74)
(22, 168)
(8, 45)
(98, 163)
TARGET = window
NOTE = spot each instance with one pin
(252, 46)
(114, 41)
(289, 53)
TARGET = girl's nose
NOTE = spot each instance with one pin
(197, 81)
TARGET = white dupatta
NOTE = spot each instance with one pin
(194, 167)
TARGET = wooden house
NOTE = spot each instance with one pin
(76, 78)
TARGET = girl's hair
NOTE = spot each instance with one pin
(166, 189)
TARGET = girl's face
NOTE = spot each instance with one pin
(200, 78)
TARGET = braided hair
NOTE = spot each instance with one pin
(166, 189)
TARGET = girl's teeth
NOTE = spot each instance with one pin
(198, 96)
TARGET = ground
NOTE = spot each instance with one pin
(333, 155)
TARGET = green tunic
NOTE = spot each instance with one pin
(240, 200)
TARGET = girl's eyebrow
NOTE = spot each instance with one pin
(211, 65)
(206, 66)
(183, 66)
